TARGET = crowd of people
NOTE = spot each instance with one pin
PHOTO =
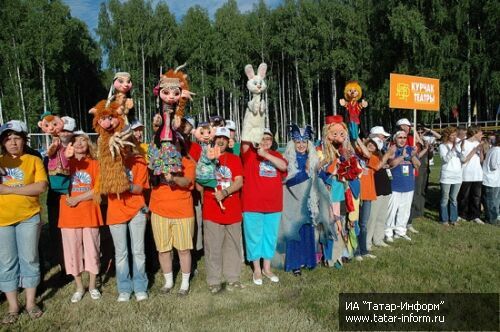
(325, 203)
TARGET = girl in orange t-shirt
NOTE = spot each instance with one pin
(127, 213)
(80, 217)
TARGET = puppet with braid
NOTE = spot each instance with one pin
(120, 92)
(109, 124)
(340, 171)
(173, 92)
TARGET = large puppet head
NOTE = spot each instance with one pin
(106, 118)
(50, 124)
(335, 137)
(352, 91)
(122, 82)
(205, 133)
(170, 90)
(256, 83)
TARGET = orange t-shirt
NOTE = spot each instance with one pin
(368, 192)
(84, 174)
(123, 209)
(174, 202)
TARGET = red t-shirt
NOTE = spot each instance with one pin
(125, 207)
(227, 170)
(354, 109)
(262, 190)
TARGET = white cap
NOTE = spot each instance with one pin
(403, 121)
(378, 142)
(136, 124)
(379, 130)
(69, 123)
(222, 131)
(268, 131)
(230, 125)
(14, 125)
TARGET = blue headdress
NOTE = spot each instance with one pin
(300, 134)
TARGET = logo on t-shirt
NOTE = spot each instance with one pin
(130, 175)
(14, 177)
(81, 182)
(266, 169)
(223, 175)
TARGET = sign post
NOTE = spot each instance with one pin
(414, 92)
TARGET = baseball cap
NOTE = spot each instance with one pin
(136, 124)
(230, 125)
(14, 125)
(222, 131)
(403, 121)
(190, 120)
(379, 130)
(69, 123)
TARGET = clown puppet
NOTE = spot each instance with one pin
(352, 93)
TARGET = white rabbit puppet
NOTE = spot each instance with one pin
(255, 115)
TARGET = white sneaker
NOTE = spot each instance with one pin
(141, 296)
(123, 297)
(411, 229)
(389, 239)
(358, 258)
(478, 221)
(77, 296)
(406, 237)
(383, 244)
(459, 219)
(95, 294)
(369, 256)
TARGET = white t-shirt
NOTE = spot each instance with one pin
(451, 168)
(472, 170)
(491, 168)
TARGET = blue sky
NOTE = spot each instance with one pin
(88, 10)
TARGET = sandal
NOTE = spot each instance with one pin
(10, 318)
(35, 312)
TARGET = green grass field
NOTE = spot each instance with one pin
(461, 259)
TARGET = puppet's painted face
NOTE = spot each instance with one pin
(353, 94)
(51, 124)
(108, 122)
(204, 134)
(170, 96)
(122, 84)
(336, 134)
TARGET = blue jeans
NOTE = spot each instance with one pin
(363, 221)
(261, 234)
(491, 196)
(19, 264)
(137, 229)
(449, 193)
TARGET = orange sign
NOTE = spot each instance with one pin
(414, 92)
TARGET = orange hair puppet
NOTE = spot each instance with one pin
(352, 93)
(108, 123)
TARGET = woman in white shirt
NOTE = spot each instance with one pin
(451, 175)
(469, 197)
(491, 182)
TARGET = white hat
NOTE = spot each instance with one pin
(403, 121)
(136, 124)
(268, 131)
(222, 131)
(69, 123)
(378, 142)
(379, 130)
(190, 120)
(14, 125)
(230, 125)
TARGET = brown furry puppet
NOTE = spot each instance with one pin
(109, 125)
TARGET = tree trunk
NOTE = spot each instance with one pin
(224, 104)
(21, 94)
(303, 112)
(217, 102)
(143, 87)
(203, 91)
(44, 91)
(334, 93)
(318, 130)
(311, 111)
(1, 112)
(277, 122)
